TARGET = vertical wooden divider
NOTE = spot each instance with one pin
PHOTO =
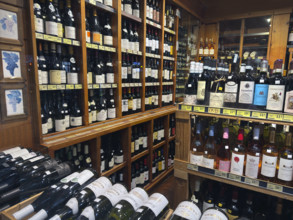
(161, 49)
(95, 152)
(166, 133)
(126, 140)
(150, 127)
(143, 50)
(175, 56)
(241, 40)
(83, 64)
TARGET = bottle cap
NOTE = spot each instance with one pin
(240, 134)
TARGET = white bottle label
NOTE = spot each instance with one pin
(237, 163)
(289, 102)
(39, 25)
(146, 176)
(246, 92)
(134, 104)
(67, 121)
(275, 97)
(99, 186)
(196, 159)
(268, 167)
(133, 183)
(209, 163)
(115, 193)
(108, 40)
(60, 125)
(111, 112)
(135, 12)
(216, 99)
(63, 76)
(206, 51)
(83, 177)
(285, 169)
(70, 32)
(156, 202)
(44, 77)
(251, 169)
(51, 28)
(108, 2)
(102, 115)
(72, 78)
(213, 214)
(102, 166)
(124, 72)
(230, 92)
(145, 142)
(89, 213)
(128, 8)
(118, 159)
(124, 105)
(73, 205)
(290, 37)
(50, 123)
(88, 36)
(100, 79)
(188, 210)
(124, 43)
(206, 205)
(110, 77)
(136, 197)
(201, 87)
(76, 121)
(45, 128)
(136, 46)
(94, 115)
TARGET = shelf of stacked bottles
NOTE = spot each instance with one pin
(269, 180)
(103, 65)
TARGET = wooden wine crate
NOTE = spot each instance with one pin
(7, 214)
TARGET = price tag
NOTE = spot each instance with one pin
(229, 57)
(112, 49)
(66, 41)
(214, 110)
(123, 50)
(231, 112)
(76, 43)
(95, 46)
(88, 45)
(78, 86)
(186, 108)
(107, 86)
(139, 52)
(61, 87)
(274, 187)
(288, 118)
(39, 36)
(243, 113)
(222, 58)
(107, 48)
(52, 87)
(278, 117)
(126, 84)
(92, 2)
(55, 39)
(199, 108)
(253, 182)
(114, 85)
(192, 167)
(101, 47)
(234, 177)
(260, 58)
(220, 173)
(260, 115)
(90, 86)
(96, 86)
(139, 84)
(69, 86)
(43, 87)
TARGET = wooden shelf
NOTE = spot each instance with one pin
(153, 55)
(130, 16)
(241, 114)
(152, 84)
(168, 58)
(169, 31)
(59, 87)
(161, 144)
(101, 6)
(257, 185)
(172, 138)
(158, 178)
(59, 40)
(140, 155)
(153, 24)
(167, 83)
(139, 53)
(131, 85)
(102, 86)
(100, 47)
(114, 169)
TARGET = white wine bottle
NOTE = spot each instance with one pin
(82, 198)
(186, 210)
(214, 214)
(102, 205)
(124, 209)
(156, 206)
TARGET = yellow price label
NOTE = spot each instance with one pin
(230, 112)
(114, 85)
(229, 57)
(278, 117)
(76, 43)
(243, 113)
(112, 49)
(107, 48)
(186, 108)
(61, 87)
(260, 115)
(251, 181)
(67, 41)
(43, 87)
(288, 118)
(88, 45)
(78, 86)
(235, 177)
(214, 110)
(199, 108)
(95, 46)
(139, 52)
(275, 187)
(90, 86)
(52, 87)
(218, 173)
(96, 86)
(101, 47)
(69, 86)
(39, 36)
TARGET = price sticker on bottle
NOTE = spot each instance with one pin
(278, 117)
(61, 87)
(101, 48)
(260, 115)
(243, 113)
(214, 110)
(88, 45)
(230, 112)
(288, 118)
(186, 107)
(39, 36)
(43, 87)
(52, 87)
(69, 86)
(192, 167)
(78, 86)
(199, 108)
(67, 41)
(95, 46)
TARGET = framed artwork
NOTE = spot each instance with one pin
(11, 64)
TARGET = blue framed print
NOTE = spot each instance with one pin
(11, 64)
(8, 25)
(14, 102)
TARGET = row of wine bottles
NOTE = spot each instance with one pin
(169, 17)
(260, 158)
(130, 37)
(130, 69)
(152, 41)
(250, 88)
(153, 11)
(131, 7)
(168, 49)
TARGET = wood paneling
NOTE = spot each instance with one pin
(194, 7)
(280, 27)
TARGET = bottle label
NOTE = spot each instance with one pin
(275, 97)
(145, 142)
(163, 165)
(209, 163)
(138, 103)
(216, 99)
(136, 145)
(51, 28)
(237, 163)
(108, 40)
(136, 197)
(124, 105)
(136, 46)
(88, 36)
(111, 112)
(110, 77)
(124, 43)
(63, 76)
(100, 79)
(67, 121)
(94, 115)
(70, 32)
(154, 170)
(45, 128)
(102, 115)
(128, 8)
(200, 51)
(230, 92)
(251, 169)
(96, 37)
(201, 87)
(268, 167)
(206, 51)
(290, 37)
(115, 193)
(99, 186)
(213, 214)
(260, 94)
(76, 121)
(224, 165)
(111, 163)
(60, 125)
(72, 78)
(83, 177)
(212, 51)
(196, 159)
(187, 210)
(246, 92)
(190, 99)
(124, 72)
(206, 205)
(118, 159)
(102, 166)
(130, 104)
(44, 77)
(108, 2)
(151, 13)
(50, 123)
(40, 77)
(89, 213)
(133, 183)
(28, 156)
(289, 102)
(55, 77)
(39, 25)
(156, 202)
(285, 169)
(73, 205)
(141, 178)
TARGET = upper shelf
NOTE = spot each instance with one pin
(153, 24)
(243, 114)
(245, 35)
(55, 39)
(130, 16)
(101, 6)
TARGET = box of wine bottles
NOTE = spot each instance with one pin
(7, 214)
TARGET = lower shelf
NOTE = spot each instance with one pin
(114, 169)
(160, 177)
(257, 185)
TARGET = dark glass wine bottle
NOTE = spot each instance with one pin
(96, 29)
(107, 32)
(204, 85)
(51, 22)
(69, 23)
(38, 17)
(186, 210)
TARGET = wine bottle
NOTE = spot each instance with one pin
(69, 22)
(42, 167)
(101, 206)
(38, 17)
(215, 212)
(209, 150)
(55, 66)
(154, 208)
(108, 3)
(196, 197)
(44, 198)
(124, 102)
(289, 87)
(102, 108)
(209, 198)
(136, 38)
(128, 6)
(217, 88)
(233, 210)
(186, 210)
(87, 27)
(51, 22)
(204, 85)
(107, 33)
(124, 209)
(72, 75)
(109, 70)
(125, 36)
(59, 116)
(75, 114)
(223, 154)
(238, 155)
(96, 29)
(82, 198)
